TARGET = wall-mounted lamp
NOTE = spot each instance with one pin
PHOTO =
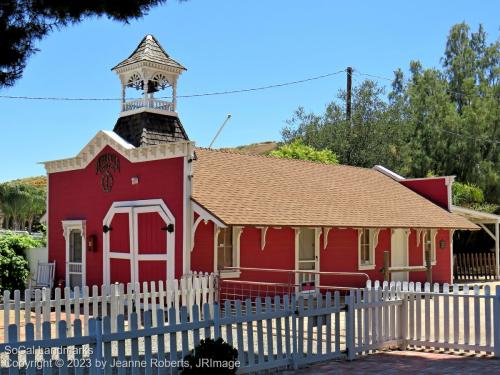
(442, 244)
(134, 180)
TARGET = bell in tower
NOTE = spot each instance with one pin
(148, 120)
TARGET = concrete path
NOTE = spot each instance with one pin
(406, 363)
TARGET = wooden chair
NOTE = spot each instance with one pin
(44, 276)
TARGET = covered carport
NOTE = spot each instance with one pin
(483, 219)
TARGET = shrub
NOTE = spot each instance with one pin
(467, 194)
(20, 242)
(298, 150)
(212, 357)
(14, 270)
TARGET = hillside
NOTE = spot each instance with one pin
(262, 148)
(38, 181)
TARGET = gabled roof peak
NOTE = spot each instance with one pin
(150, 50)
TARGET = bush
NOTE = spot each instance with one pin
(298, 150)
(14, 270)
(212, 357)
(467, 194)
(20, 242)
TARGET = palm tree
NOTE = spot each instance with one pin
(21, 203)
(36, 205)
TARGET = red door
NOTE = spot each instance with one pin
(151, 245)
(139, 245)
(120, 263)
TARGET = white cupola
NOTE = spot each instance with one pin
(151, 70)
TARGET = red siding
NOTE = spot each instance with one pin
(434, 189)
(341, 255)
(278, 253)
(441, 272)
(78, 195)
(202, 256)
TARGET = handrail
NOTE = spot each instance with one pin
(332, 273)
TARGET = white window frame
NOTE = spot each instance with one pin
(237, 230)
(371, 241)
(68, 226)
(433, 234)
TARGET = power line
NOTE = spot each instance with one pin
(227, 92)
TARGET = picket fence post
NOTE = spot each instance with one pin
(97, 356)
(217, 331)
(349, 316)
(403, 319)
(496, 322)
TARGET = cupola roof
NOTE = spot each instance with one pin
(150, 50)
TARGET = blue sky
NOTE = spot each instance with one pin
(225, 45)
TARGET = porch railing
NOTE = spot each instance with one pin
(153, 103)
(474, 266)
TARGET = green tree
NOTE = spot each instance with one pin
(373, 136)
(24, 22)
(21, 203)
(298, 150)
(445, 121)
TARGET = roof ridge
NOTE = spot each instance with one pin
(314, 162)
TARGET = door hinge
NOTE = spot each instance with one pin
(169, 228)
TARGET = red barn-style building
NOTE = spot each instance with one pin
(142, 203)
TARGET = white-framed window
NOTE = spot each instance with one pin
(227, 250)
(366, 251)
(429, 244)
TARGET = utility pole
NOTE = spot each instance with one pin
(348, 93)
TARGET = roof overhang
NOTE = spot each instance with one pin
(476, 216)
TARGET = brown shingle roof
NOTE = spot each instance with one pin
(257, 190)
(149, 49)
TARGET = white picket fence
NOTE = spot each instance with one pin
(274, 333)
(269, 334)
(38, 307)
(411, 315)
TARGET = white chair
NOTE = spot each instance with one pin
(44, 276)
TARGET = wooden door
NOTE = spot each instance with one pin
(151, 233)
(399, 253)
(121, 257)
(307, 258)
(138, 244)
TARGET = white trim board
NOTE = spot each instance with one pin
(68, 226)
(133, 154)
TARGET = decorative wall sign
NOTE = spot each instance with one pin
(106, 165)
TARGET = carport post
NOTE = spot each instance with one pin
(497, 249)
(496, 321)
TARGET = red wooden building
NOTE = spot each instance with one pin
(141, 203)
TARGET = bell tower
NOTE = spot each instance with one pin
(150, 117)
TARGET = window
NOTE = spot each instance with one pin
(366, 256)
(227, 250)
(75, 246)
(225, 256)
(429, 245)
